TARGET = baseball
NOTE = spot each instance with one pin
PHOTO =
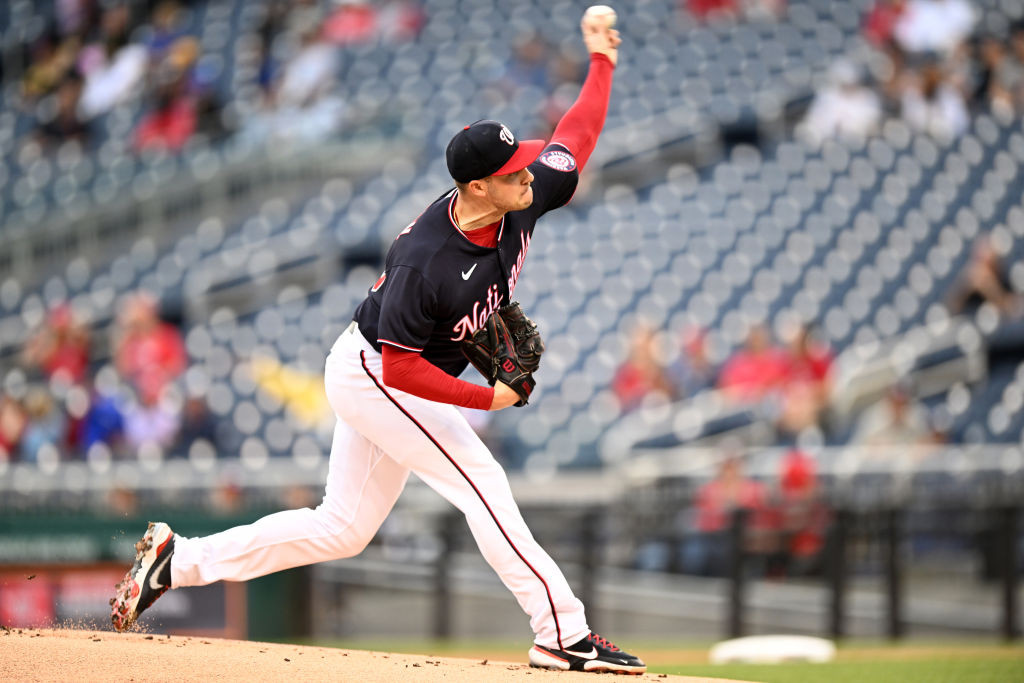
(600, 15)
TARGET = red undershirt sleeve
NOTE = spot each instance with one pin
(581, 125)
(410, 372)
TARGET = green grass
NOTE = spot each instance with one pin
(860, 661)
(921, 671)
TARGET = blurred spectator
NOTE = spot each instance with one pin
(844, 109)
(712, 9)
(65, 123)
(96, 418)
(273, 23)
(172, 120)
(763, 9)
(401, 20)
(984, 279)
(60, 348)
(112, 66)
(880, 23)
(803, 515)
(709, 10)
(642, 373)
(756, 370)
(806, 381)
(994, 76)
(148, 352)
(51, 59)
(691, 372)
(932, 104)
(352, 22)
(197, 423)
(299, 104)
(1013, 73)
(152, 421)
(211, 123)
(192, 82)
(935, 26)
(166, 30)
(359, 21)
(46, 424)
(75, 17)
(12, 425)
(309, 74)
(896, 420)
(808, 359)
(706, 551)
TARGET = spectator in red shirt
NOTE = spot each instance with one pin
(806, 382)
(61, 347)
(642, 374)
(358, 21)
(148, 352)
(706, 9)
(729, 491)
(756, 371)
(880, 22)
(173, 119)
(808, 360)
(353, 22)
(803, 516)
(707, 550)
(168, 126)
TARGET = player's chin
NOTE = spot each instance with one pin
(527, 199)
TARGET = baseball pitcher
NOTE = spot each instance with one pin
(444, 299)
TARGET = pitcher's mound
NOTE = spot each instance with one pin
(62, 655)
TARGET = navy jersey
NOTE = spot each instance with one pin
(438, 287)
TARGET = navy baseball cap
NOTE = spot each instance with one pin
(487, 148)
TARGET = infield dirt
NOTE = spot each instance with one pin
(83, 656)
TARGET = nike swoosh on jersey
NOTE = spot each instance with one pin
(153, 583)
(467, 273)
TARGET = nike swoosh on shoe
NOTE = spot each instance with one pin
(153, 575)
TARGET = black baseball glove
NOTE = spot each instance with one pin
(507, 349)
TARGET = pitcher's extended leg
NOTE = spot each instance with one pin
(363, 484)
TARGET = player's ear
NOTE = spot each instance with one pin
(477, 188)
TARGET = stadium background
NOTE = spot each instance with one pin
(195, 196)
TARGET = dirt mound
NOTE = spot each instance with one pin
(60, 655)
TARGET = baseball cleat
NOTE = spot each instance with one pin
(593, 653)
(147, 580)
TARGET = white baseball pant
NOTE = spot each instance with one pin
(382, 435)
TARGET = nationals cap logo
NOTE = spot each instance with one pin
(558, 160)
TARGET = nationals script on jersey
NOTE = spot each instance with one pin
(438, 287)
